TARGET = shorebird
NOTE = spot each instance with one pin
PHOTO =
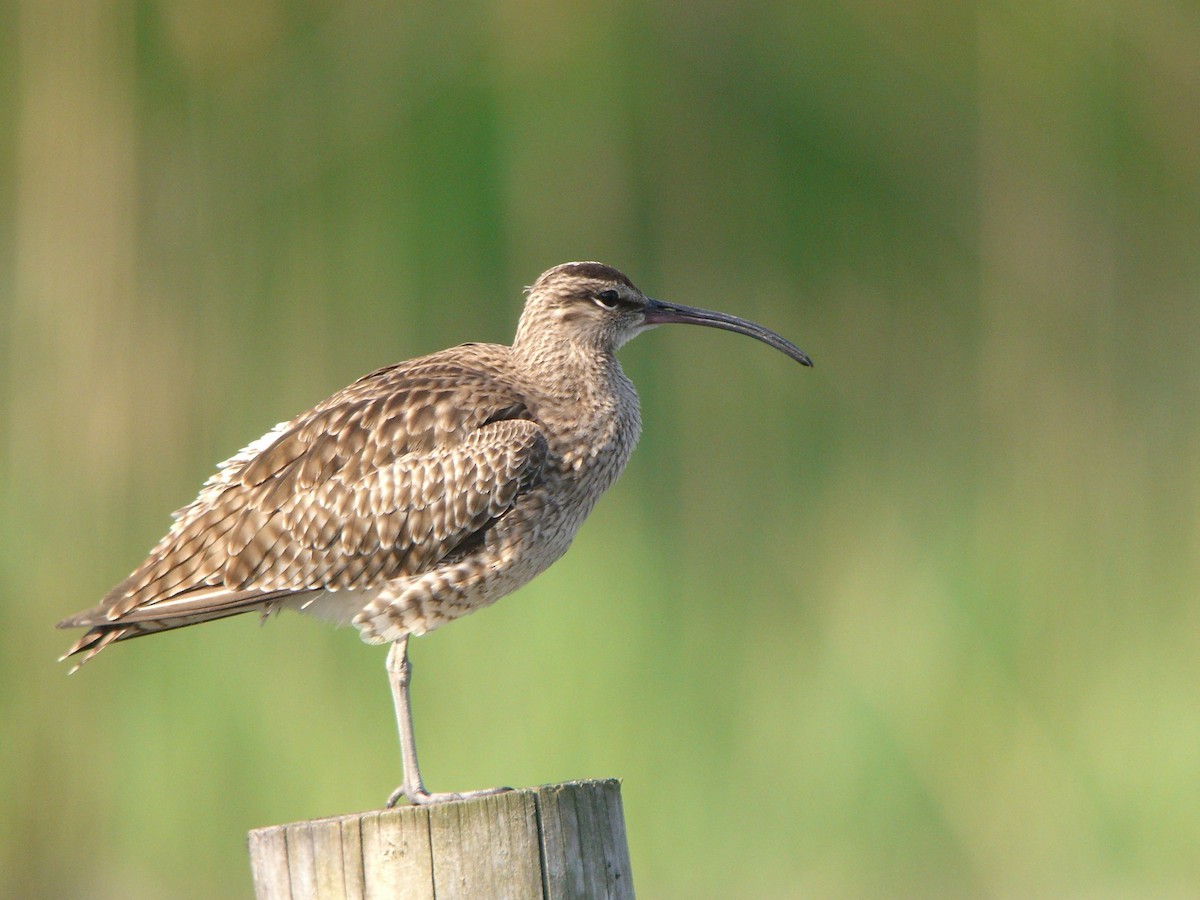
(422, 492)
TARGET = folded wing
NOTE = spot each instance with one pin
(381, 481)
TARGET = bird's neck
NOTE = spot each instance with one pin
(566, 367)
(583, 398)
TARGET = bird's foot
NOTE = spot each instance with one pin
(422, 797)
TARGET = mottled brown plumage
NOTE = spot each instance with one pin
(421, 492)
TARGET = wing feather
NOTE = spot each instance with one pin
(378, 482)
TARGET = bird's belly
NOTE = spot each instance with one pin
(520, 546)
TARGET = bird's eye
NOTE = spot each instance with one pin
(608, 299)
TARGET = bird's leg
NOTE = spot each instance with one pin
(413, 789)
(399, 673)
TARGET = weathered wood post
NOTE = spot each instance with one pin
(556, 841)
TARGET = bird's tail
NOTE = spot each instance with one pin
(191, 608)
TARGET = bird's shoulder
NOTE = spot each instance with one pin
(412, 407)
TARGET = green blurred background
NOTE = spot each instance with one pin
(919, 622)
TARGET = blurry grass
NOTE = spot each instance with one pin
(919, 622)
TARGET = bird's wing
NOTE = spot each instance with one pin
(380, 481)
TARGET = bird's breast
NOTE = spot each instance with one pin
(592, 439)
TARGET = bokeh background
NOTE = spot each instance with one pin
(919, 622)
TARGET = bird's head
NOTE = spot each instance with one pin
(594, 307)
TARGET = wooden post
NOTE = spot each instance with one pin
(555, 842)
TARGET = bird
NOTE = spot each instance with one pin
(423, 491)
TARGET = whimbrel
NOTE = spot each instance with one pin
(421, 492)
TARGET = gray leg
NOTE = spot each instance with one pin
(399, 675)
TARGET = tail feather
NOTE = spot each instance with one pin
(92, 643)
(190, 608)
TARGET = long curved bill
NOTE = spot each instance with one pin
(659, 313)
